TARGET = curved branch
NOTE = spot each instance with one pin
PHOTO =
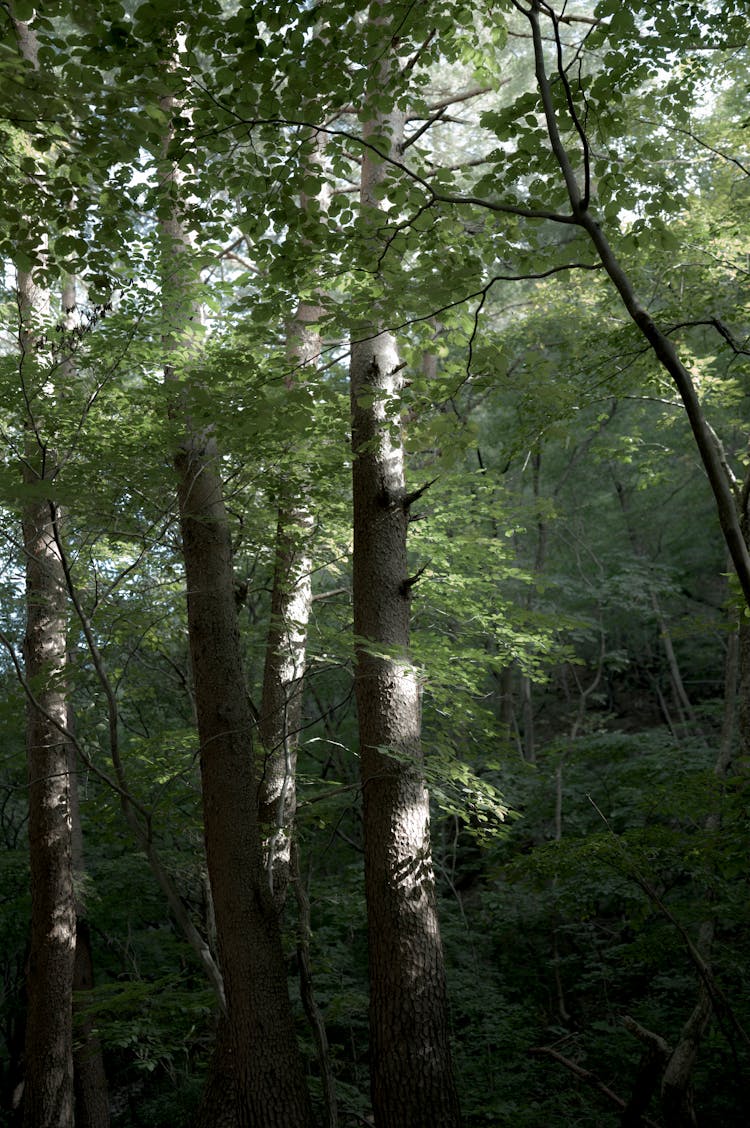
(131, 807)
(664, 350)
(545, 90)
(385, 158)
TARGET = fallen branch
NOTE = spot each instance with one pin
(587, 1076)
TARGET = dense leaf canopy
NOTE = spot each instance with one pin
(575, 616)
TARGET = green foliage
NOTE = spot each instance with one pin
(566, 544)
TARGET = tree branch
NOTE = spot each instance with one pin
(423, 129)
(142, 833)
(587, 1076)
(453, 99)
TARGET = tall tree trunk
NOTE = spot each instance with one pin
(48, 1092)
(48, 1089)
(411, 1072)
(90, 1080)
(269, 1074)
(89, 1077)
(281, 702)
(279, 725)
(283, 675)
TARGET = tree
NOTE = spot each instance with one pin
(412, 1079)
(270, 1086)
(540, 407)
(48, 1089)
(280, 720)
(48, 1092)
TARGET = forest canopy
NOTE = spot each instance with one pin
(375, 577)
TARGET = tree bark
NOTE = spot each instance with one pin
(269, 1076)
(48, 1092)
(281, 702)
(48, 1086)
(269, 1073)
(284, 670)
(218, 1106)
(411, 1072)
(278, 728)
(280, 719)
(89, 1077)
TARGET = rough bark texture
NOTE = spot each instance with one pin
(269, 1073)
(48, 1091)
(218, 1107)
(412, 1080)
(48, 1088)
(410, 1059)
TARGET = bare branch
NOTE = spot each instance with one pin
(703, 144)
(587, 1076)
(454, 98)
(439, 197)
(423, 128)
(410, 64)
(722, 329)
(715, 993)
(577, 203)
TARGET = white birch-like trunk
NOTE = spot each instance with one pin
(286, 649)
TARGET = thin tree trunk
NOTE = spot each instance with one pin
(269, 1076)
(676, 1083)
(540, 556)
(682, 701)
(411, 1073)
(283, 676)
(91, 1090)
(671, 1068)
(281, 703)
(743, 696)
(90, 1080)
(309, 1002)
